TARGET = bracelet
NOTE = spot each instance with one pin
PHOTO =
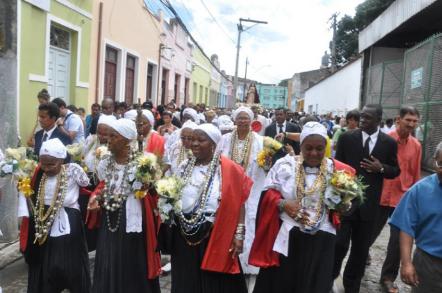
(239, 236)
(281, 205)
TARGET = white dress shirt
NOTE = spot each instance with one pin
(373, 139)
(283, 127)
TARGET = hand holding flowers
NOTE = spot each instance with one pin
(345, 188)
(169, 189)
(265, 156)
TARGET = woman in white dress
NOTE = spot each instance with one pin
(208, 231)
(52, 232)
(181, 149)
(295, 239)
(124, 261)
(242, 146)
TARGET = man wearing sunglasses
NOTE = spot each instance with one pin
(419, 219)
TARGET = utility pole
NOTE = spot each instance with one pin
(238, 46)
(334, 25)
(245, 80)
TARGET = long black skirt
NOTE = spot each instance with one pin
(187, 275)
(61, 262)
(307, 269)
(120, 259)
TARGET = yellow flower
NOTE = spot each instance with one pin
(16, 154)
(139, 194)
(24, 186)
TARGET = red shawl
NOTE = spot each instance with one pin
(268, 225)
(155, 144)
(235, 189)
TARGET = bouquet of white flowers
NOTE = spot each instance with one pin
(169, 189)
(147, 172)
(345, 188)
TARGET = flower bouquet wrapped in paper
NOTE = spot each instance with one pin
(345, 188)
(169, 189)
(265, 156)
(147, 172)
(20, 163)
(101, 152)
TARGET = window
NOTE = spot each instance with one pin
(149, 86)
(60, 38)
(130, 80)
(110, 73)
(195, 92)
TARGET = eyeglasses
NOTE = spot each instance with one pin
(438, 164)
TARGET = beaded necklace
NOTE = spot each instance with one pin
(241, 158)
(184, 154)
(318, 186)
(111, 200)
(191, 223)
(43, 221)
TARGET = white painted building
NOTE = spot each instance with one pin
(338, 93)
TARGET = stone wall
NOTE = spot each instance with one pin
(8, 111)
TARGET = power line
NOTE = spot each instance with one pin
(217, 23)
(195, 27)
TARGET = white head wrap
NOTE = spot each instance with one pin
(192, 112)
(106, 119)
(126, 128)
(148, 114)
(211, 130)
(54, 148)
(247, 110)
(189, 124)
(311, 128)
(132, 115)
(225, 123)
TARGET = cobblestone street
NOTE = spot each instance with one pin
(13, 278)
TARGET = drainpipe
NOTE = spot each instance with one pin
(159, 71)
(97, 70)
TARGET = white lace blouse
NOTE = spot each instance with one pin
(134, 215)
(192, 191)
(282, 178)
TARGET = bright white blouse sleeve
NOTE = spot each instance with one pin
(78, 175)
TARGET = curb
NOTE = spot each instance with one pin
(9, 253)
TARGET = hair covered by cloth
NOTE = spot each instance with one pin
(133, 114)
(126, 128)
(212, 132)
(192, 113)
(244, 109)
(313, 128)
(189, 124)
(106, 119)
(54, 148)
(225, 123)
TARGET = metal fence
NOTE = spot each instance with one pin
(383, 86)
(416, 80)
(422, 87)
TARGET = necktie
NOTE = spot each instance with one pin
(280, 128)
(45, 137)
(367, 148)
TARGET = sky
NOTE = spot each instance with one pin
(294, 40)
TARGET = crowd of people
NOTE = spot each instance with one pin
(238, 227)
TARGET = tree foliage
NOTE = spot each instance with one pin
(349, 27)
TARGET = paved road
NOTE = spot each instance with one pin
(13, 278)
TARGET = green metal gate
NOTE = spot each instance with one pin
(384, 84)
(422, 87)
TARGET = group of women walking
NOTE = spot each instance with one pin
(210, 237)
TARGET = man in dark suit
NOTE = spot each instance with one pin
(47, 116)
(374, 156)
(281, 125)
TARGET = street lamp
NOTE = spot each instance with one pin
(238, 46)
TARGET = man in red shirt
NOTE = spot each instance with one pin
(409, 159)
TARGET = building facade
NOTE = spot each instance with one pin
(336, 94)
(176, 64)
(201, 77)
(54, 46)
(124, 52)
(300, 82)
(215, 81)
(272, 96)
